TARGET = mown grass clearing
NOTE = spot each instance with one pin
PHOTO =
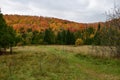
(56, 63)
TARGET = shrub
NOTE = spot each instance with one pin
(78, 42)
(92, 36)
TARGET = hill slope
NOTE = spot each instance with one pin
(40, 23)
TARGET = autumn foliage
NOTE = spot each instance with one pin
(39, 23)
(48, 30)
(78, 42)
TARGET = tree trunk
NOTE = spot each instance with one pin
(4, 52)
(11, 50)
(0, 51)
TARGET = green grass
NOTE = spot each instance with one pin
(56, 63)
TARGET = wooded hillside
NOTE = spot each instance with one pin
(40, 23)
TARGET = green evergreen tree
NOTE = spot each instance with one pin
(78, 34)
(63, 36)
(70, 39)
(49, 37)
(2, 32)
(37, 37)
(97, 38)
(7, 35)
(59, 39)
(88, 32)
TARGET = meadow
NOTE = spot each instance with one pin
(57, 62)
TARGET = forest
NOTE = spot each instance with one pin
(18, 30)
(45, 30)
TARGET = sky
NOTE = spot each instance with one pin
(85, 11)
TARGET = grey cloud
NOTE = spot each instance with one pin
(75, 10)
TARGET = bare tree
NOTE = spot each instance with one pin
(109, 36)
(114, 24)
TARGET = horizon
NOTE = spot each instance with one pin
(56, 18)
(80, 11)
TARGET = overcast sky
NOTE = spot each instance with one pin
(75, 10)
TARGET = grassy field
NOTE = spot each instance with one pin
(57, 63)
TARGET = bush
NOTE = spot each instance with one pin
(78, 42)
(92, 36)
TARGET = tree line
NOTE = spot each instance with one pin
(63, 37)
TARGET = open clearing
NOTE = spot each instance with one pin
(56, 63)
